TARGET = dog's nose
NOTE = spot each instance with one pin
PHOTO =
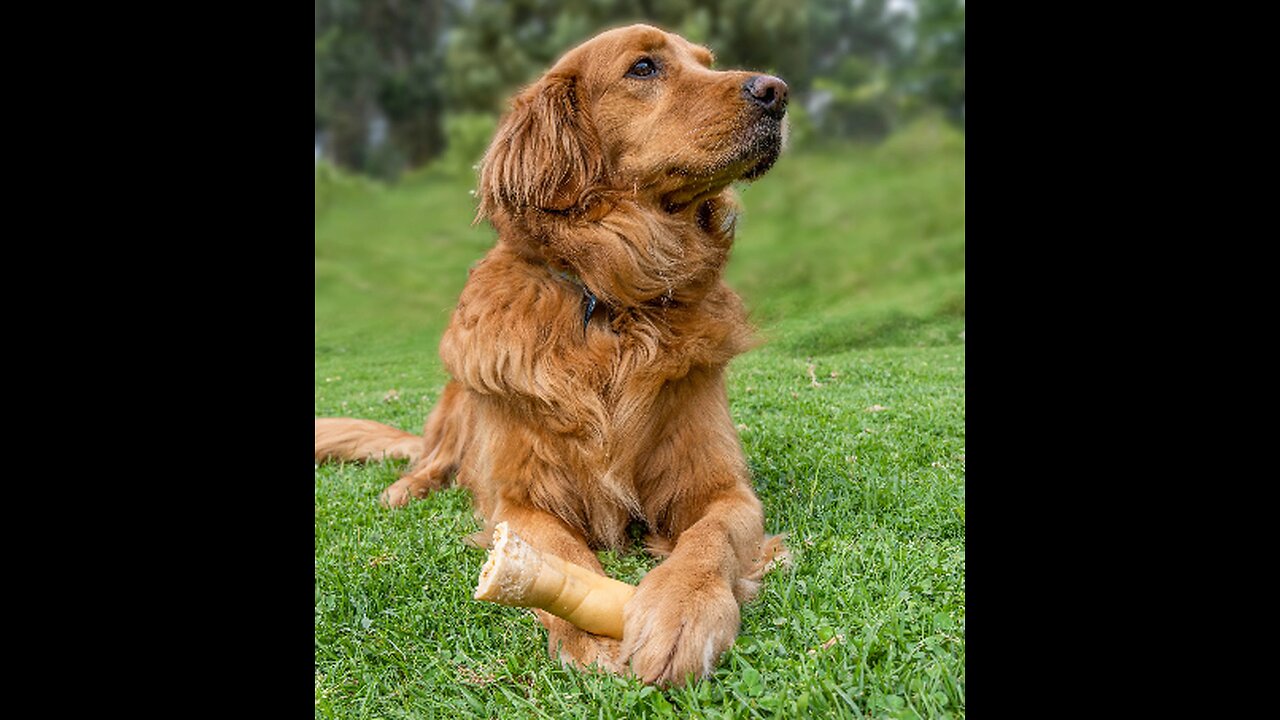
(769, 92)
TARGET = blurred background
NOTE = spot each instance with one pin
(855, 239)
(399, 81)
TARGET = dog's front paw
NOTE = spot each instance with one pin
(396, 495)
(409, 487)
(677, 626)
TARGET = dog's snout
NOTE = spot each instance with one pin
(769, 92)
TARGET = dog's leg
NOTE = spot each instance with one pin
(444, 438)
(685, 612)
(549, 534)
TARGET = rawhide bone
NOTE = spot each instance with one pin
(519, 575)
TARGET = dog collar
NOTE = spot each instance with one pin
(589, 299)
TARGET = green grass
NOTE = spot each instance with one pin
(852, 416)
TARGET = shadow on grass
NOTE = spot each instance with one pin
(892, 330)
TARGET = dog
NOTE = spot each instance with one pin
(588, 348)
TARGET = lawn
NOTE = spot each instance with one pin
(852, 416)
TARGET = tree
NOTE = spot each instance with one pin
(387, 71)
(377, 92)
(938, 64)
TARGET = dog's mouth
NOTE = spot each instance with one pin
(766, 146)
(757, 148)
(761, 142)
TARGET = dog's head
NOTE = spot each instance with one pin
(634, 110)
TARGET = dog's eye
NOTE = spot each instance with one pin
(643, 68)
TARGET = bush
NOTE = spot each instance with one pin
(467, 137)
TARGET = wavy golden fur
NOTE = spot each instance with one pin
(588, 348)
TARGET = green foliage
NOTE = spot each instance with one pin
(851, 415)
(855, 100)
(498, 46)
(377, 61)
(468, 136)
(839, 29)
(859, 69)
(936, 73)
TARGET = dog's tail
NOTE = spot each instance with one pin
(351, 439)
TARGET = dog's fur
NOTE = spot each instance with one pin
(608, 182)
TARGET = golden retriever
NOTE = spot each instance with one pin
(588, 349)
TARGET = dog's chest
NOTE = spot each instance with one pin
(622, 389)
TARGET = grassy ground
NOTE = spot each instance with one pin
(852, 417)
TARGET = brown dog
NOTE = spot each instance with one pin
(589, 346)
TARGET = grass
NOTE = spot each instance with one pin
(852, 417)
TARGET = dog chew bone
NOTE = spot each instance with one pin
(517, 574)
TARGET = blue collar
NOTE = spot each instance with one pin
(589, 299)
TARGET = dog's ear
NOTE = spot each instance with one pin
(545, 154)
